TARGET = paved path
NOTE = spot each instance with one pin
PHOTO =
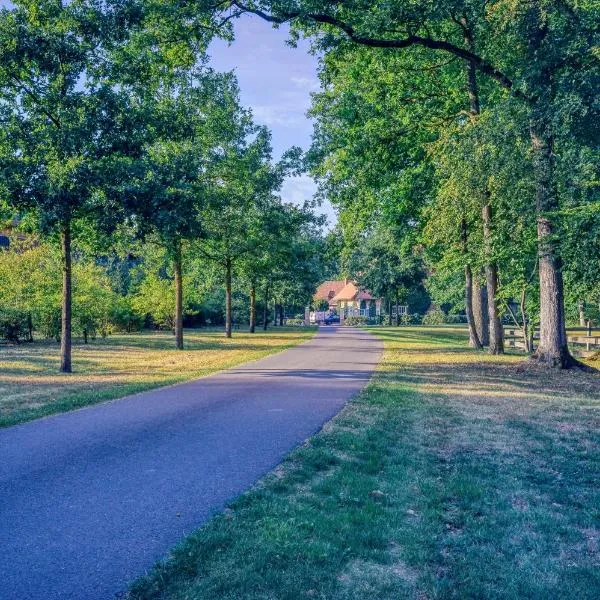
(91, 499)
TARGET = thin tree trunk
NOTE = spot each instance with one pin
(491, 275)
(389, 312)
(281, 315)
(67, 293)
(496, 332)
(581, 310)
(228, 297)
(266, 308)
(252, 308)
(177, 267)
(525, 326)
(474, 340)
(553, 349)
(480, 312)
(29, 328)
(397, 310)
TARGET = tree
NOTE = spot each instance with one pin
(542, 53)
(190, 117)
(386, 262)
(237, 220)
(59, 118)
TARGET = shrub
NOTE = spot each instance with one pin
(13, 325)
(356, 321)
(294, 322)
(435, 317)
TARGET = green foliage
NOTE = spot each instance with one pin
(13, 324)
(435, 317)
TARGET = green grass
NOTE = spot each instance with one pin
(32, 387)
(453, 475)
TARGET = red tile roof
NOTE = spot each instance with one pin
(328, 289)
(365, 295)
(348, 292)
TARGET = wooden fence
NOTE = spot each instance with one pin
(513, 338)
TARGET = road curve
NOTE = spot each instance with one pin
(89, 500)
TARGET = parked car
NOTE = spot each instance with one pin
(331, 319)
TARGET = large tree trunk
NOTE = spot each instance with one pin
(266, 308)
(252, 308)
(552, 350)
(228, 298)
(496, 330)
(67, 294)
(480, 313)
(177, 268)
(474, 340)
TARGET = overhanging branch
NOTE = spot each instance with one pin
(412, 40)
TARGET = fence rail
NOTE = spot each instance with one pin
(514, 339)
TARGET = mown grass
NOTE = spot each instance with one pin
(32, 387)
(453, 475)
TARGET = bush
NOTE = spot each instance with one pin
(435, 317)
(294, 322)
(356, 321)
(411, 319)
(13, 325)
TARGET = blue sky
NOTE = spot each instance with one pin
(275, 82)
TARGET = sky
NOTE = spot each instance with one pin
(275, 82)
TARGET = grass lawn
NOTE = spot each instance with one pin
(31, 386)
(453, 475)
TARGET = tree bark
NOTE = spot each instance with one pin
(228, 297)
(252, 308)
(553, 350)
(474, 340)
(480, 312)
(67, 294)
(527, 340)
(581, 310)
(29, 328)
(177, 268)
(496, 330)
(397, 310)
(389, 312)
(266, 308)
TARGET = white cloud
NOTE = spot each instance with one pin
(308, 84)
(298, 189)
(276, 114)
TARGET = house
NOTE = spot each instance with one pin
(348, 299)
(327, 291)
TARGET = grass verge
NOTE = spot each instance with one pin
(453, 475)
(32, 387)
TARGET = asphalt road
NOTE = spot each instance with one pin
(89, 500)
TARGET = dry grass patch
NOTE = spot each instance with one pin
(31, 386)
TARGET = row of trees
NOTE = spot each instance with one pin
(469, 130)
(115, 133)
(127, 293)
